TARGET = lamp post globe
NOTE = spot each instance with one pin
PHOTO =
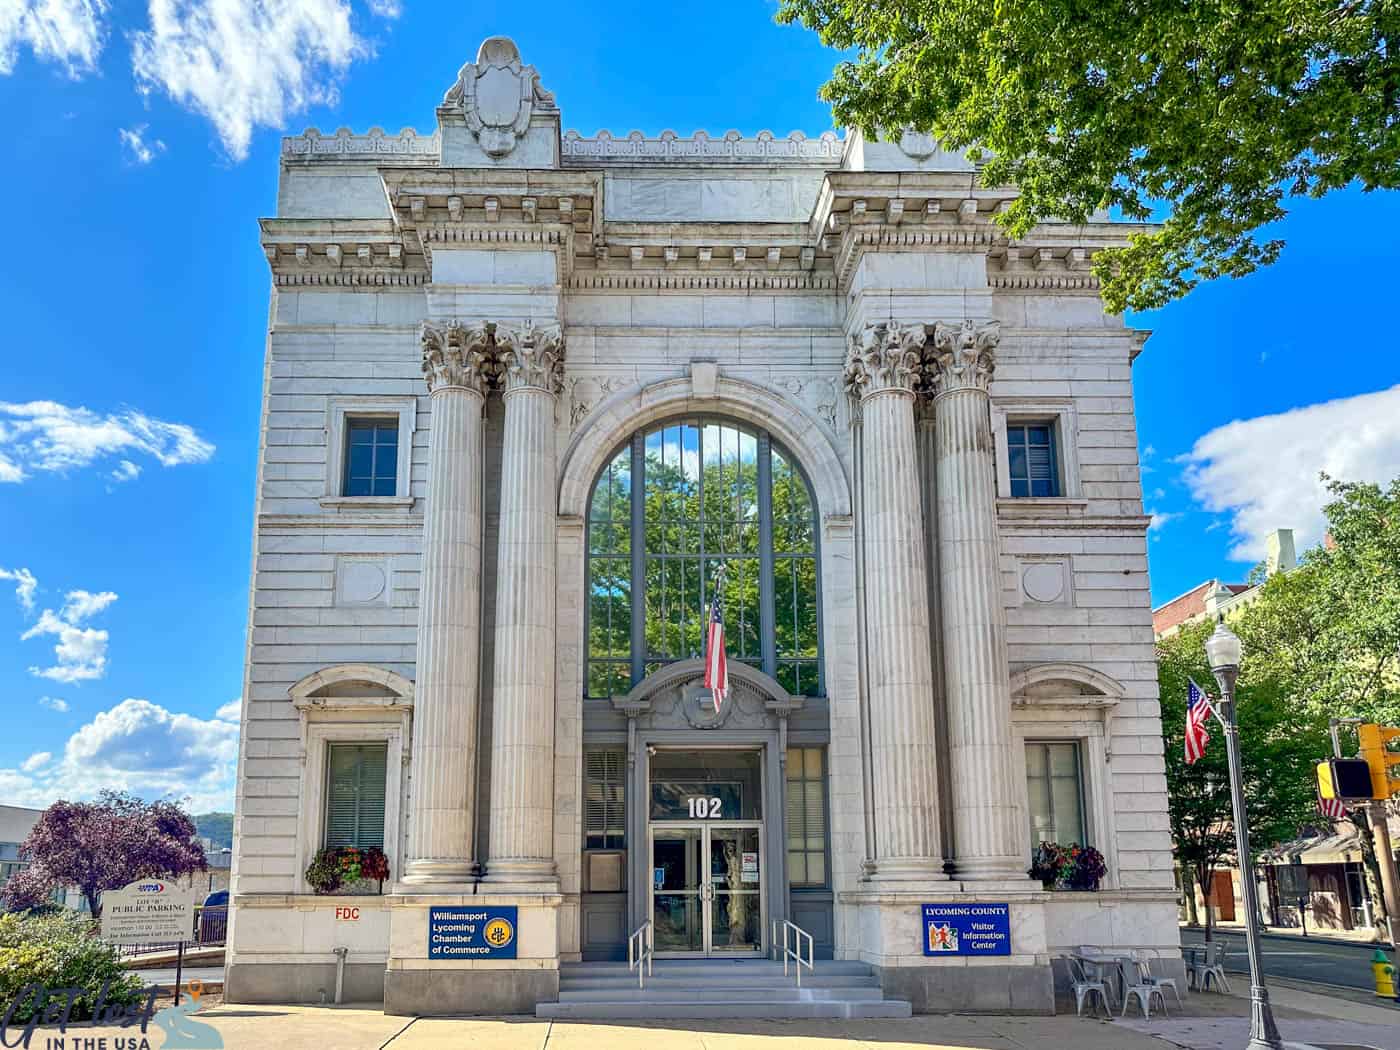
(1224, 650)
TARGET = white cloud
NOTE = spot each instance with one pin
(140, 152)
(125, 471)
(1263, 472)
(9, 471)
(68, 32)
(81, 651)
(136, 746)
(1160, 518)
(36, 761)
(386, 8)
(246, 63)
(25, 586)
(53, 703)
(231, 711)
(47, 436)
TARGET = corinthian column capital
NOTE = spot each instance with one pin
(963, 356)
(531, 355)
(456, 355)
(885, 356)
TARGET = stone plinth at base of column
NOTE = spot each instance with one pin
(892, 935)
(416, 984)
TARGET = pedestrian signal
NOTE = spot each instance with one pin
(1344, 779)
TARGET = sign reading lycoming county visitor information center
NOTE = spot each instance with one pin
(471, 933)
(967, 929)
(148, 911)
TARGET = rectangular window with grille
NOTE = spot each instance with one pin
(371, 457)
(355, 778)
(1032, 462)
(1055, 793)
(806, 817)
(604, 800)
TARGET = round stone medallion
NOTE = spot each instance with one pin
(362, 582)
(1043, 582)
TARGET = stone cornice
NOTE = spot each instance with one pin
(700, 148)
(407, 147)
(609, 279)
(339, 253)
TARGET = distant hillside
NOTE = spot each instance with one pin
(217, 827)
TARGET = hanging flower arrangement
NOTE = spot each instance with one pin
(338, 866)
(1072, 867)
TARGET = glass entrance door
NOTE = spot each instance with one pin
(706, 889)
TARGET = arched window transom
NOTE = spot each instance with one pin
(698, 494)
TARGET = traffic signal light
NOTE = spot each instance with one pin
(1344, 779)
(1383, 763)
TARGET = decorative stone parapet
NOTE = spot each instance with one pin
(699, 148)
(311, 144)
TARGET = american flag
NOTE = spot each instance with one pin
(1197, 710)
(1331, 808)
(716, 665)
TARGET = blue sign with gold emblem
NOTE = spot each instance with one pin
(975, 928)
(472, 933)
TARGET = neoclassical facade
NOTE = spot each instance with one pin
(526, 393)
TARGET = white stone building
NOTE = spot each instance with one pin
(524, 392)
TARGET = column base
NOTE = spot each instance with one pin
(529, 871)
(906, 869)
(991, 869)
(433, 871)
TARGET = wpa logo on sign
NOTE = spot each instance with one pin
(151, 887)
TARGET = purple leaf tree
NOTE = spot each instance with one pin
(104, 845)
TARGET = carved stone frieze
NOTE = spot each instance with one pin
(457, 355)
(530, 355)
(963, 355)
(884, 356)
(497, 95)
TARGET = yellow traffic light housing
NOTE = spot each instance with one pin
(1384, 763)
(1344, 779)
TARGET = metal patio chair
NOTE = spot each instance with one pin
(1085, 987)
(1135, 987)
(1210, 965)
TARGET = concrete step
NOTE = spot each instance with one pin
(687, 983)
(711, 967)
(700, 1008)
(653, 994)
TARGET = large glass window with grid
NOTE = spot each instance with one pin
(371, 457)
(355, 779)
(671, 507)
(1055, 793)
(806, 816)
(1032, 462)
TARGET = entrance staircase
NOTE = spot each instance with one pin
(719, 988)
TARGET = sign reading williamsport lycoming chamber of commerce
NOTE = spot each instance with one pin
(472, 933)
(148, 911)
(976, 928)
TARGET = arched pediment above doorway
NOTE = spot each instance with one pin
(344, 687)
(675, 697)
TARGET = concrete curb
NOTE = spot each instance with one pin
(1298, 937)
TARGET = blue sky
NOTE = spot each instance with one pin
(144, 146)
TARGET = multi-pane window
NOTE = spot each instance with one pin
(806, 817)
(604, 800)
(371, 457)
(1032, 462)
(355, 779)
(672, 507)
(1055, 793)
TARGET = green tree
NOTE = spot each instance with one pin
(1220, 111)
(1279, 743)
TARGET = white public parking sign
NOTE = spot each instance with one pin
(148, 911)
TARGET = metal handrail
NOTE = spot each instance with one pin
(793, 933)
(641, 948)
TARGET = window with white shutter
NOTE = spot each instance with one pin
(1032, 462)
(604, 800)
(806, 817)
(355, 779)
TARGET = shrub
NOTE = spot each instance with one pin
(60, 951)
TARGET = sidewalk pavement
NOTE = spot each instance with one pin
(1365, 938)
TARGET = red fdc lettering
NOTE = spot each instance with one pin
(347, 914)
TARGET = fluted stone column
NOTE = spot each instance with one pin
(976, 673)
(882, 367)
(456, 363)
(522, 736)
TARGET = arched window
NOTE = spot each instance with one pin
(672, 505)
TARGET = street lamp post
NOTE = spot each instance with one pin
(1223, 648)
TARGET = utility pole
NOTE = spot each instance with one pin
(1390, 877)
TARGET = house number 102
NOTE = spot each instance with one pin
(704, 808)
